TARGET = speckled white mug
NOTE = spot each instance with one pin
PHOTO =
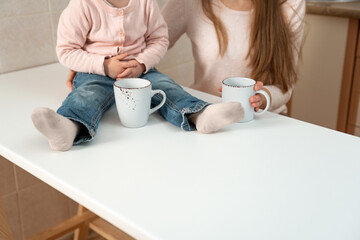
(133, 101)
(239, 89)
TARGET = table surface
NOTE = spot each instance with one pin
(272, 178)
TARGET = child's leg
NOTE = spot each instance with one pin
(188, 112)
(84, 106)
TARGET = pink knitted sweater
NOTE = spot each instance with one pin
(90, 30)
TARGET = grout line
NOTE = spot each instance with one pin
(18, 203)
(27, 15)
(16, 180)
(21, 222)
(29, 67)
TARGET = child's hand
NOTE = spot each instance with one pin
(70, 79)
(132, 72)
(114, 66)
(259, 101)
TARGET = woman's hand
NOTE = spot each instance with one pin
(258, 101)
(134, 71)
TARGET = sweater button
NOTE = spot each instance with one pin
(121, 12)
(122, 34)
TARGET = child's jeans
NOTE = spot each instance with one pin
(94, 94)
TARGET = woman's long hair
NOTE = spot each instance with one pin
(271, 49)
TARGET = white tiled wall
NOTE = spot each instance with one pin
(28, 39)
(27, 30)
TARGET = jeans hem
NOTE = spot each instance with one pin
(83, 138)
(186, 125)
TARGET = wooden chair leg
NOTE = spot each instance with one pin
(108, 231)
(81, 223)
(82, 232)
(5, 231)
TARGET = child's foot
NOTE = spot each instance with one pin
(59, 131)
(217, 116)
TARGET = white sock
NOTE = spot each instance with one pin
(58, 130)
(217, 116)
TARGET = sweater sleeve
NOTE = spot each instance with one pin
(74, 25)
(295, 10)
(156, 37)
(278, 98)
(175, 16)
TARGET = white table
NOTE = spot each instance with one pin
(272, 178)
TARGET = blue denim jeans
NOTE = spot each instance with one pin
(94, 94)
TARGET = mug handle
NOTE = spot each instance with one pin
(267, 102)
(153, 92)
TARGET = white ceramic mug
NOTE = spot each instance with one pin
(133, 101)
(239, 89)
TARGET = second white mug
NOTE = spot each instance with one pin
(133, 101)
(239, 89)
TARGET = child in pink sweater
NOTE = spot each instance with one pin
(104, 41)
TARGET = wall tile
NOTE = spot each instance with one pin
(41, 207)
(28, 42)
(56, 5)
(55, 20)
(24, 179)
(22, 8)
(12, 212)
(183, 74)
(180, 53)
(73, 207)
(7, 177)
